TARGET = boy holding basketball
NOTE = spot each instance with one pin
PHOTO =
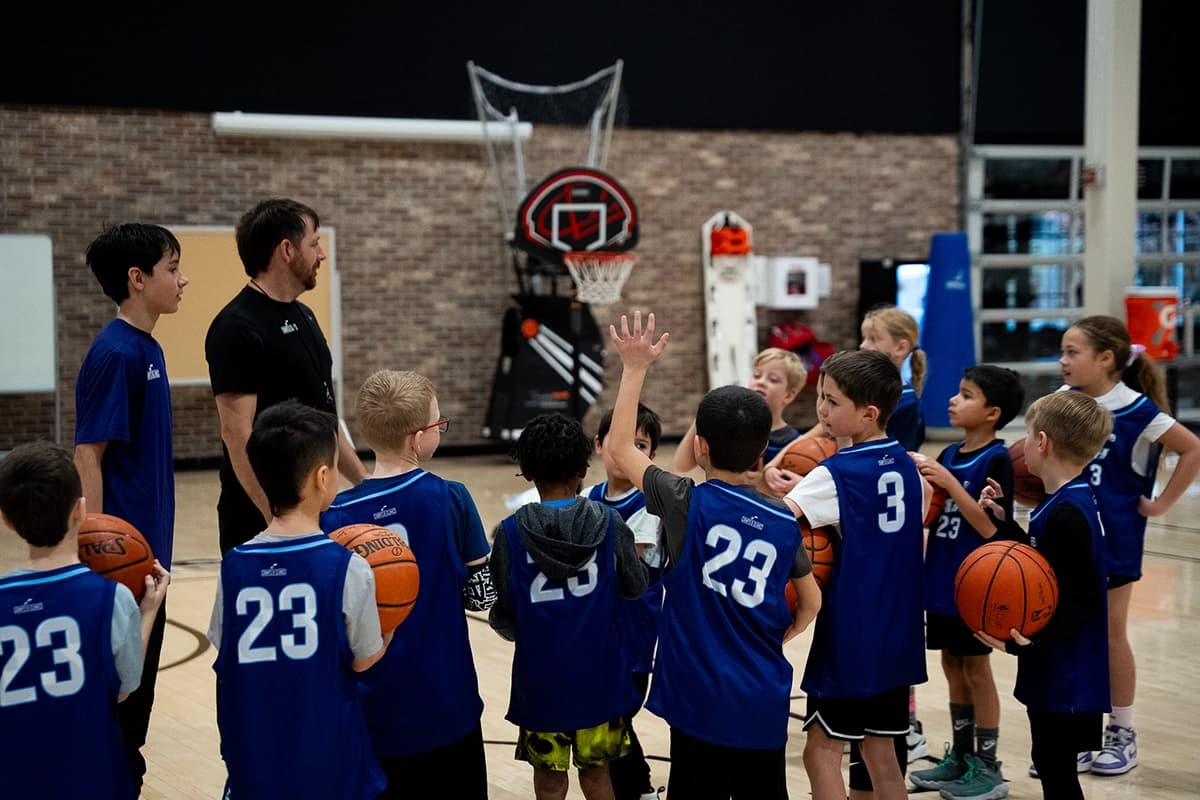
(563, 567)
(422, 700)
(868, 648)
(123, 448)
(74, 640)
(988, 398)
(1062, 671)
(294, 620)
(729, 554)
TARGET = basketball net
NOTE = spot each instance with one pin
(599, 275)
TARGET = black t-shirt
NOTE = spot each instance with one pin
(276, 351)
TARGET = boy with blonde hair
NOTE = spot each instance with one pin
(778, 375)
(422, 700)
(1062, 671)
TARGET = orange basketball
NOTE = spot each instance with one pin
(1027, 487)
(803, 454)
(397, 579)
(937, 504)
(789, 594)
(1003, 585)
(112, 547)
(819, 546)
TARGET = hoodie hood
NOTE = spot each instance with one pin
(562, 540)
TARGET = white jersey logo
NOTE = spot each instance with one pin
(289, 327)
(152, 373)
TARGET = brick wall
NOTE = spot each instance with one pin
(425, 276)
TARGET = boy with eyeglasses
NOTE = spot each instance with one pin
(422, 699)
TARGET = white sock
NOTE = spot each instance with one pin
(1121, 715)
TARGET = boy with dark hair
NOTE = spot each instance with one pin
(869, 641)
(422, 700)
(123, 447)
(988, 398)
(730, 553)
(562, 566)
(294, 620)
(1062, 671)
(264, 347)
(74, 640)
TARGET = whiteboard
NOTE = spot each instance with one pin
(27, 352)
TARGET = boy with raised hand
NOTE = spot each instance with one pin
(123, 447)
(988, 398)
(729, 553)
(294, 620)
(74, 640)
(1062, 671)
(563, 566)
(868, 647)
(422, 700)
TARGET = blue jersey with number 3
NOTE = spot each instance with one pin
(287, 707)
(59, 687)
(870, 633)
(1118, 487)
(721, 675)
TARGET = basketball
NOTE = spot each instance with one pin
(937, 504)
(789, 594)
(818, 544)
(397, 579)
(112, 547)
(1004, 585)
(803, 454)
(1027, 487)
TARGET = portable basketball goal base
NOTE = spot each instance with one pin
(569, 238)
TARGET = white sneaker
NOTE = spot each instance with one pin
(918, 747)
(1083, 763)
(1119, 754)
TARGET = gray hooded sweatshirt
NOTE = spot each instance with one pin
(561, 540)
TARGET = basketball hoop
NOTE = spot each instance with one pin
(599, 275)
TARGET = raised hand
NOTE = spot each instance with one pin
(638, 349)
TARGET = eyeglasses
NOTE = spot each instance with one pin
(442, 425)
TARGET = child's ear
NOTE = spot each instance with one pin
(597, 444)
(790, 396)
(870, 413)
(991, 414)
(137, 279)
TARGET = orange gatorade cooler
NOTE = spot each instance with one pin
(1152, 314)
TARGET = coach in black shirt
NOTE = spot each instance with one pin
(265, 347)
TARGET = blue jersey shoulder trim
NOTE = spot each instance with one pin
(420, 473)
(23, 580)
(307, 543)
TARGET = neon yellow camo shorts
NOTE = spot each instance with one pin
(587, 748)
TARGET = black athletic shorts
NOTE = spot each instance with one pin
(944, 632)
(851, 719)
(1117, 581)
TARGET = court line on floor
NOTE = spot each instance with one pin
(202, 645)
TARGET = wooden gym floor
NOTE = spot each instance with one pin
(1164, 622)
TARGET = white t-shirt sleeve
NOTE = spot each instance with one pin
(214, 622)
(359, 609)
(127, 639)
(817, 496)
(647, 530)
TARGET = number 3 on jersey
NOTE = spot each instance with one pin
(581, 584)
(891, 486)
(728, 544)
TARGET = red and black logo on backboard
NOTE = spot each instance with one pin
(576, 209)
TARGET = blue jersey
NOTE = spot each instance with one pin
(721, 675)
(122, 397)
(569, 667)
(907, 423)
(639, 618)
(779, 439)
(424, 693)
(1118, 487)
(288, 710)
(58, 693)
(870, 633)
(1069, 676)
(951, 538)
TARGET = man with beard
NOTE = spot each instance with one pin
(265, 347)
